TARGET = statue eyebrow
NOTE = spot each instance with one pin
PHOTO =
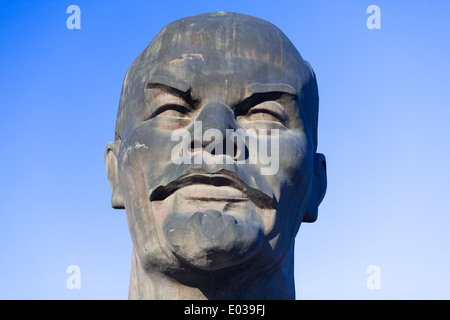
(174, 84)
(260, 92)
(272, 87)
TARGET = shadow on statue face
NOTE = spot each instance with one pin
(216, 163)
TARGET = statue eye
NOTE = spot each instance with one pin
(267, 111)
(264, 115)
(171, 111)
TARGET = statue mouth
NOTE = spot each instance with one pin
(224, 185)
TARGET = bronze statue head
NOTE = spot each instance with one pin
(215, 161)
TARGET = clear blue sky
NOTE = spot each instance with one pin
(384, 126)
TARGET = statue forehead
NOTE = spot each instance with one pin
(221, 44)
(236, 35)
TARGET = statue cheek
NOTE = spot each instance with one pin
(293, 152)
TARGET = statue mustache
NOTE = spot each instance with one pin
(245, 179)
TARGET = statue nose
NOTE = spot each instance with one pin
(216, 121)
(216, 115)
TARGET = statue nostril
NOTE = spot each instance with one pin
(197, 144)
(236, 152)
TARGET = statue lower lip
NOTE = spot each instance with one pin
(205, 192)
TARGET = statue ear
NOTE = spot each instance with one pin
(319, 188)
(112, 170)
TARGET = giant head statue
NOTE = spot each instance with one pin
(214, 160)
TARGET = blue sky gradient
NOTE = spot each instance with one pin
(384, 126)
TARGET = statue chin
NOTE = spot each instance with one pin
(212, 240)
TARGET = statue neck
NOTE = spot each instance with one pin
(277, 283)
